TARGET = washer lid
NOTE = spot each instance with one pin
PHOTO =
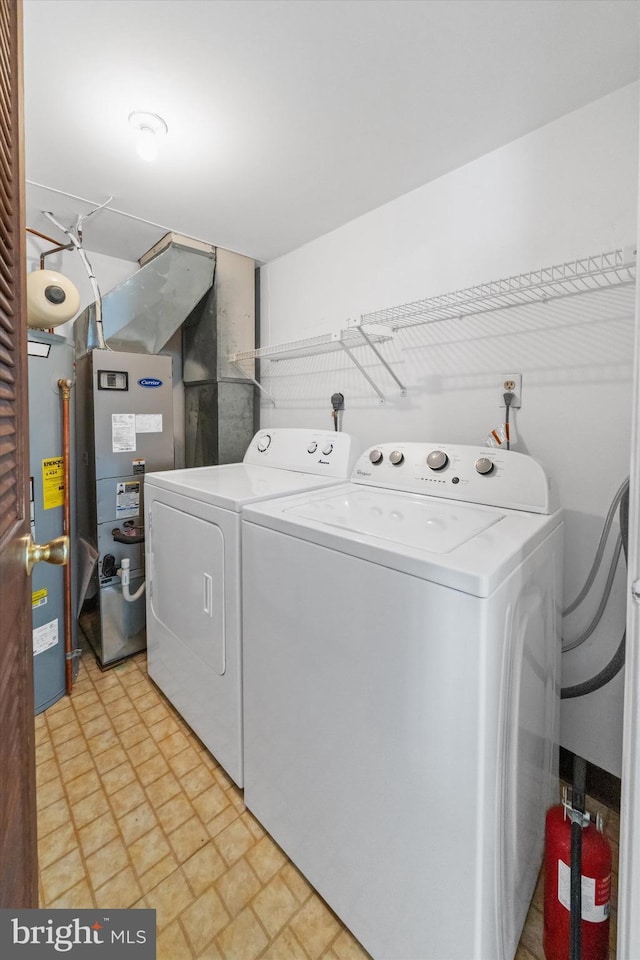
(232, 485)
(417, 522)
(466, 547)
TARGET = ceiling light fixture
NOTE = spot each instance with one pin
(149, 127)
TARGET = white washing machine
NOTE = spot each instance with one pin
(193, 551)
(401, 692)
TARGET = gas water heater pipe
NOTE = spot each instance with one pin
(64, 386)
(125, 576)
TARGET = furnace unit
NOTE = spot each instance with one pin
(124, 418)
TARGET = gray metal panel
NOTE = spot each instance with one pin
(220, 422)
(235, 294)
(200, 341)
(236, 424)
(201, 424)
(115, 629)
(156, 449)
(107, 499)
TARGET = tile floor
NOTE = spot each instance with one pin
(134, 812)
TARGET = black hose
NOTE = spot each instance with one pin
(616, 663)
(578, 805)
(614, 666)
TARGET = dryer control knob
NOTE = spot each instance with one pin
(396, 457)
(484, 466)
(437, 460)
(376, 456)
(263, 442)
(326, 450)
(312, 447)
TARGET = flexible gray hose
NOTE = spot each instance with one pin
(572, 644)
(598, 557)
(616, 663)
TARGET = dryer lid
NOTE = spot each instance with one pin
(232, 485)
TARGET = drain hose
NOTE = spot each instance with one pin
(616, 663)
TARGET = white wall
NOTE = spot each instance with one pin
(565, 191)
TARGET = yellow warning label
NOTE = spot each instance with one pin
(38, 598)
(53, 482)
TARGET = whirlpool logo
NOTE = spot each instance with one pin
(150, 382)
(46, 933)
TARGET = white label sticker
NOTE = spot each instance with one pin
(35, 349)
(127, 499)
(595, 894)
(123, 432)
(45, 636)
(148, 423)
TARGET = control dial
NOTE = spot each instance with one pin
(396, 457)
(375, 456)
(326, 450)
(313, 446)
(263, 442)
(484, 466)
(437, 460)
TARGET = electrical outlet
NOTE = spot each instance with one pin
(511, 383)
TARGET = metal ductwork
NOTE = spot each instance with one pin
(220, 417)
(214, 411)
(141, 314)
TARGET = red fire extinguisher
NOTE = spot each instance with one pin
(596, 887)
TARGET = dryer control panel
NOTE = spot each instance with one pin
(471, 474)
(328, 453)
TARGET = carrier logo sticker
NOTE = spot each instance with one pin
(150, 382)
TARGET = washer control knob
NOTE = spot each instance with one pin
(376, 456)
(437, 460)
(396, 457)
(484, 466)
(326, 450)
(263, 442)
(313, 446)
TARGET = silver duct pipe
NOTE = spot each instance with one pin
(143, 312)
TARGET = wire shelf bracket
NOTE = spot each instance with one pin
(345, 341)
(245, 376)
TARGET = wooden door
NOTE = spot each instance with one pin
(18, 850)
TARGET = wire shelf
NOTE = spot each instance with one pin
(613, 269)
(312, 346)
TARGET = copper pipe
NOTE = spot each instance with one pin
(64, 387)
(47, 253)
(42, 236)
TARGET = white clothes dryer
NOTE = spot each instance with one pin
(401, 690)
(193, 553)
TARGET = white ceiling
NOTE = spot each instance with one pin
(288, 118)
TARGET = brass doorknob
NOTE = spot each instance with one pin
(56, 551)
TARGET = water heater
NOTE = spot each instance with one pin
(50, 359)
(124, 419)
